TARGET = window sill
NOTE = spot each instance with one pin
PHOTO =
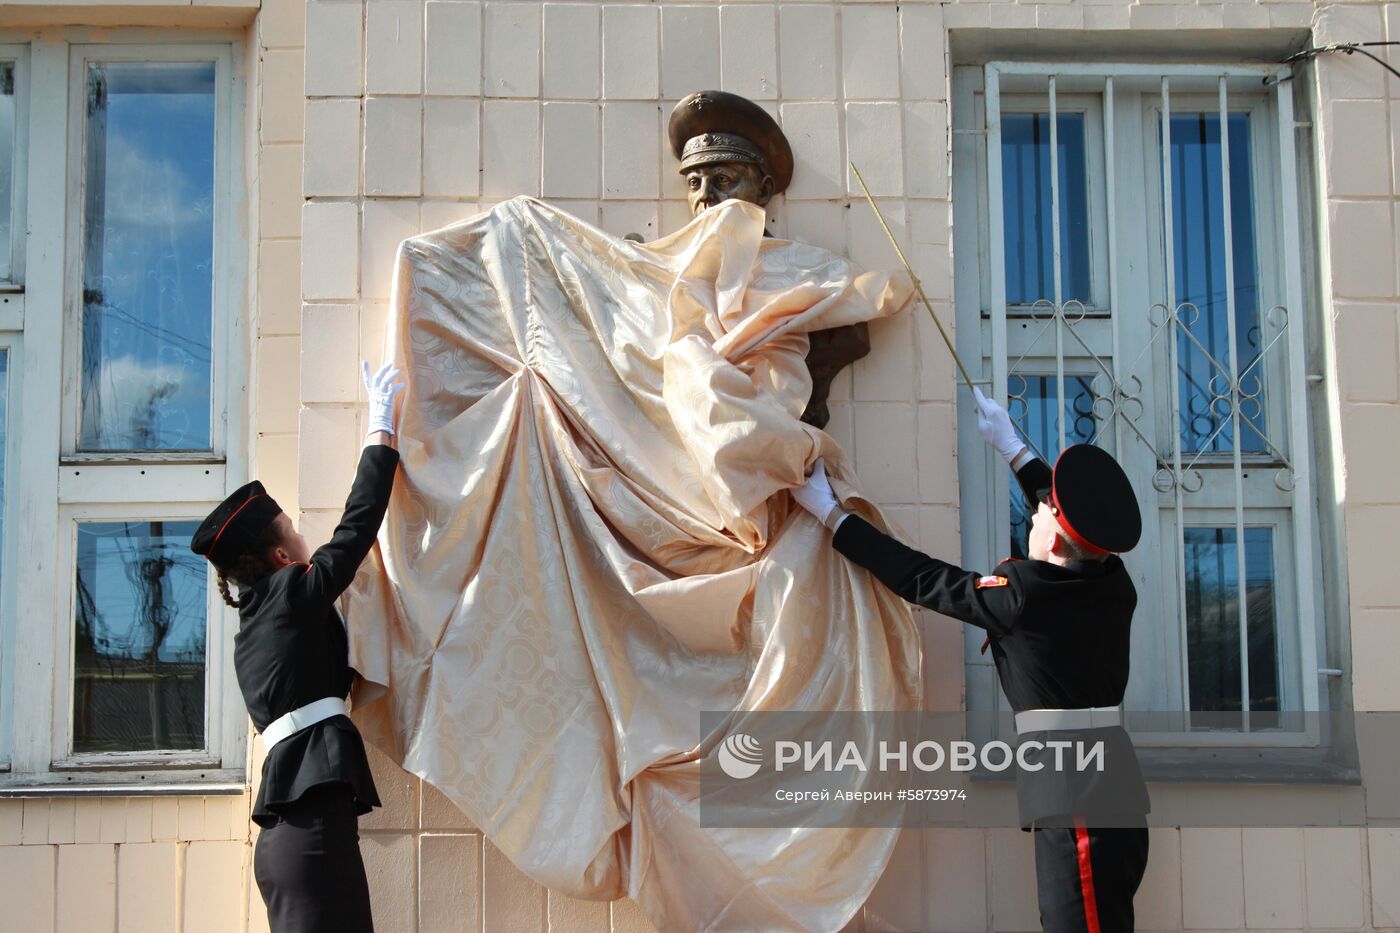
(207, 783)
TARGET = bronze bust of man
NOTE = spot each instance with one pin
(729, 147)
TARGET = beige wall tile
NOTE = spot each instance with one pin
(749, 58)
(1354, 132)
(36, 822)
(449, 892)
(279, 180)
(27, 883)
(1158, 901)
(87, 889)
(1369, 473)
(512, 61)
(1273, 879)
(1368, 353)
(689, 50)
(282, 24)
(875, 143)
(1384, 854)
(393, 144)
(332, 339)
(922, 61)
(275, 464)
(436, 812)
(279, 287)
(332, 165)
(87, 821)
(631, 144)
(398, 790)
(510, 144)
(937, 467)
(572, 143)
(891, 905)
(1212, 879)
(387, 224)
(807, 49)
(573, 914)
(886, 374)
(138, 820)
(146, 874)
(622, 217)
(453, 47)
(630, 52)
(1335, 888)
(513, 901)
(165, 819)
(334, 40)
(1362, 249)
(331, 243)
(955, 880)
(870, 52)
(393, 883)
(11, 822)
(62, 812)
(627, 917)
(814, 130)
(394, 47)
(451, 148)
(1013, 891)
(926, 149)
(330, 444)
(278, 375)
(213, 880)
(282, 94)
(885, 449)
(1375, 641)
(572, 68)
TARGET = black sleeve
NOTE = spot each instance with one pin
(1035, 478)
(930, 582)
(334, 564)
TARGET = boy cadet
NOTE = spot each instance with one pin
(1058, 627)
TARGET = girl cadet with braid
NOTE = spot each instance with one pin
(291, 655)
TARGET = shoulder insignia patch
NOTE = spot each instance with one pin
(990, 581)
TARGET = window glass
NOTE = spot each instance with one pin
(7, 168)
(139, 637)
(1036, 414)
(148, 257)
(1213, 622)
(1026, 206)
(1198, 228)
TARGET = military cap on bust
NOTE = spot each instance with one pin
(716, 126)
(234, 528)
(1094, 501)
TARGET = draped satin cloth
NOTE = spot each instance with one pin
(591, 541)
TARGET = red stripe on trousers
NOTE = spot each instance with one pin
(1086, 877)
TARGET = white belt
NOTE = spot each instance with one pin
(301, 717)
(1049, 720)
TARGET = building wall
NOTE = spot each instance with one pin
(403, 115)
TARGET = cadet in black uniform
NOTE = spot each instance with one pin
(1058, 626)
(291, 657)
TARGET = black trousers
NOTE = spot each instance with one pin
(308, 866)
(1085, 878)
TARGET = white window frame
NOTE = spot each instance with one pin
(62, 487)
(989, 331)
(11, 342)
(13, 288)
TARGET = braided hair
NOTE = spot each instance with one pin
(250, 566)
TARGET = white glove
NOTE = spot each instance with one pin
(996, 429)
(381, 388)
(816, 495)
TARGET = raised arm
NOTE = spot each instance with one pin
(333, 566)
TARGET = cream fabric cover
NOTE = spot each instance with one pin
(590, 542)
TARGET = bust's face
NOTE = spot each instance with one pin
(708, 185)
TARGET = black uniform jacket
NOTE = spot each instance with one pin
(1059, 637)
(291, 649)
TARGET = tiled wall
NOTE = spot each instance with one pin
(418, 113)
